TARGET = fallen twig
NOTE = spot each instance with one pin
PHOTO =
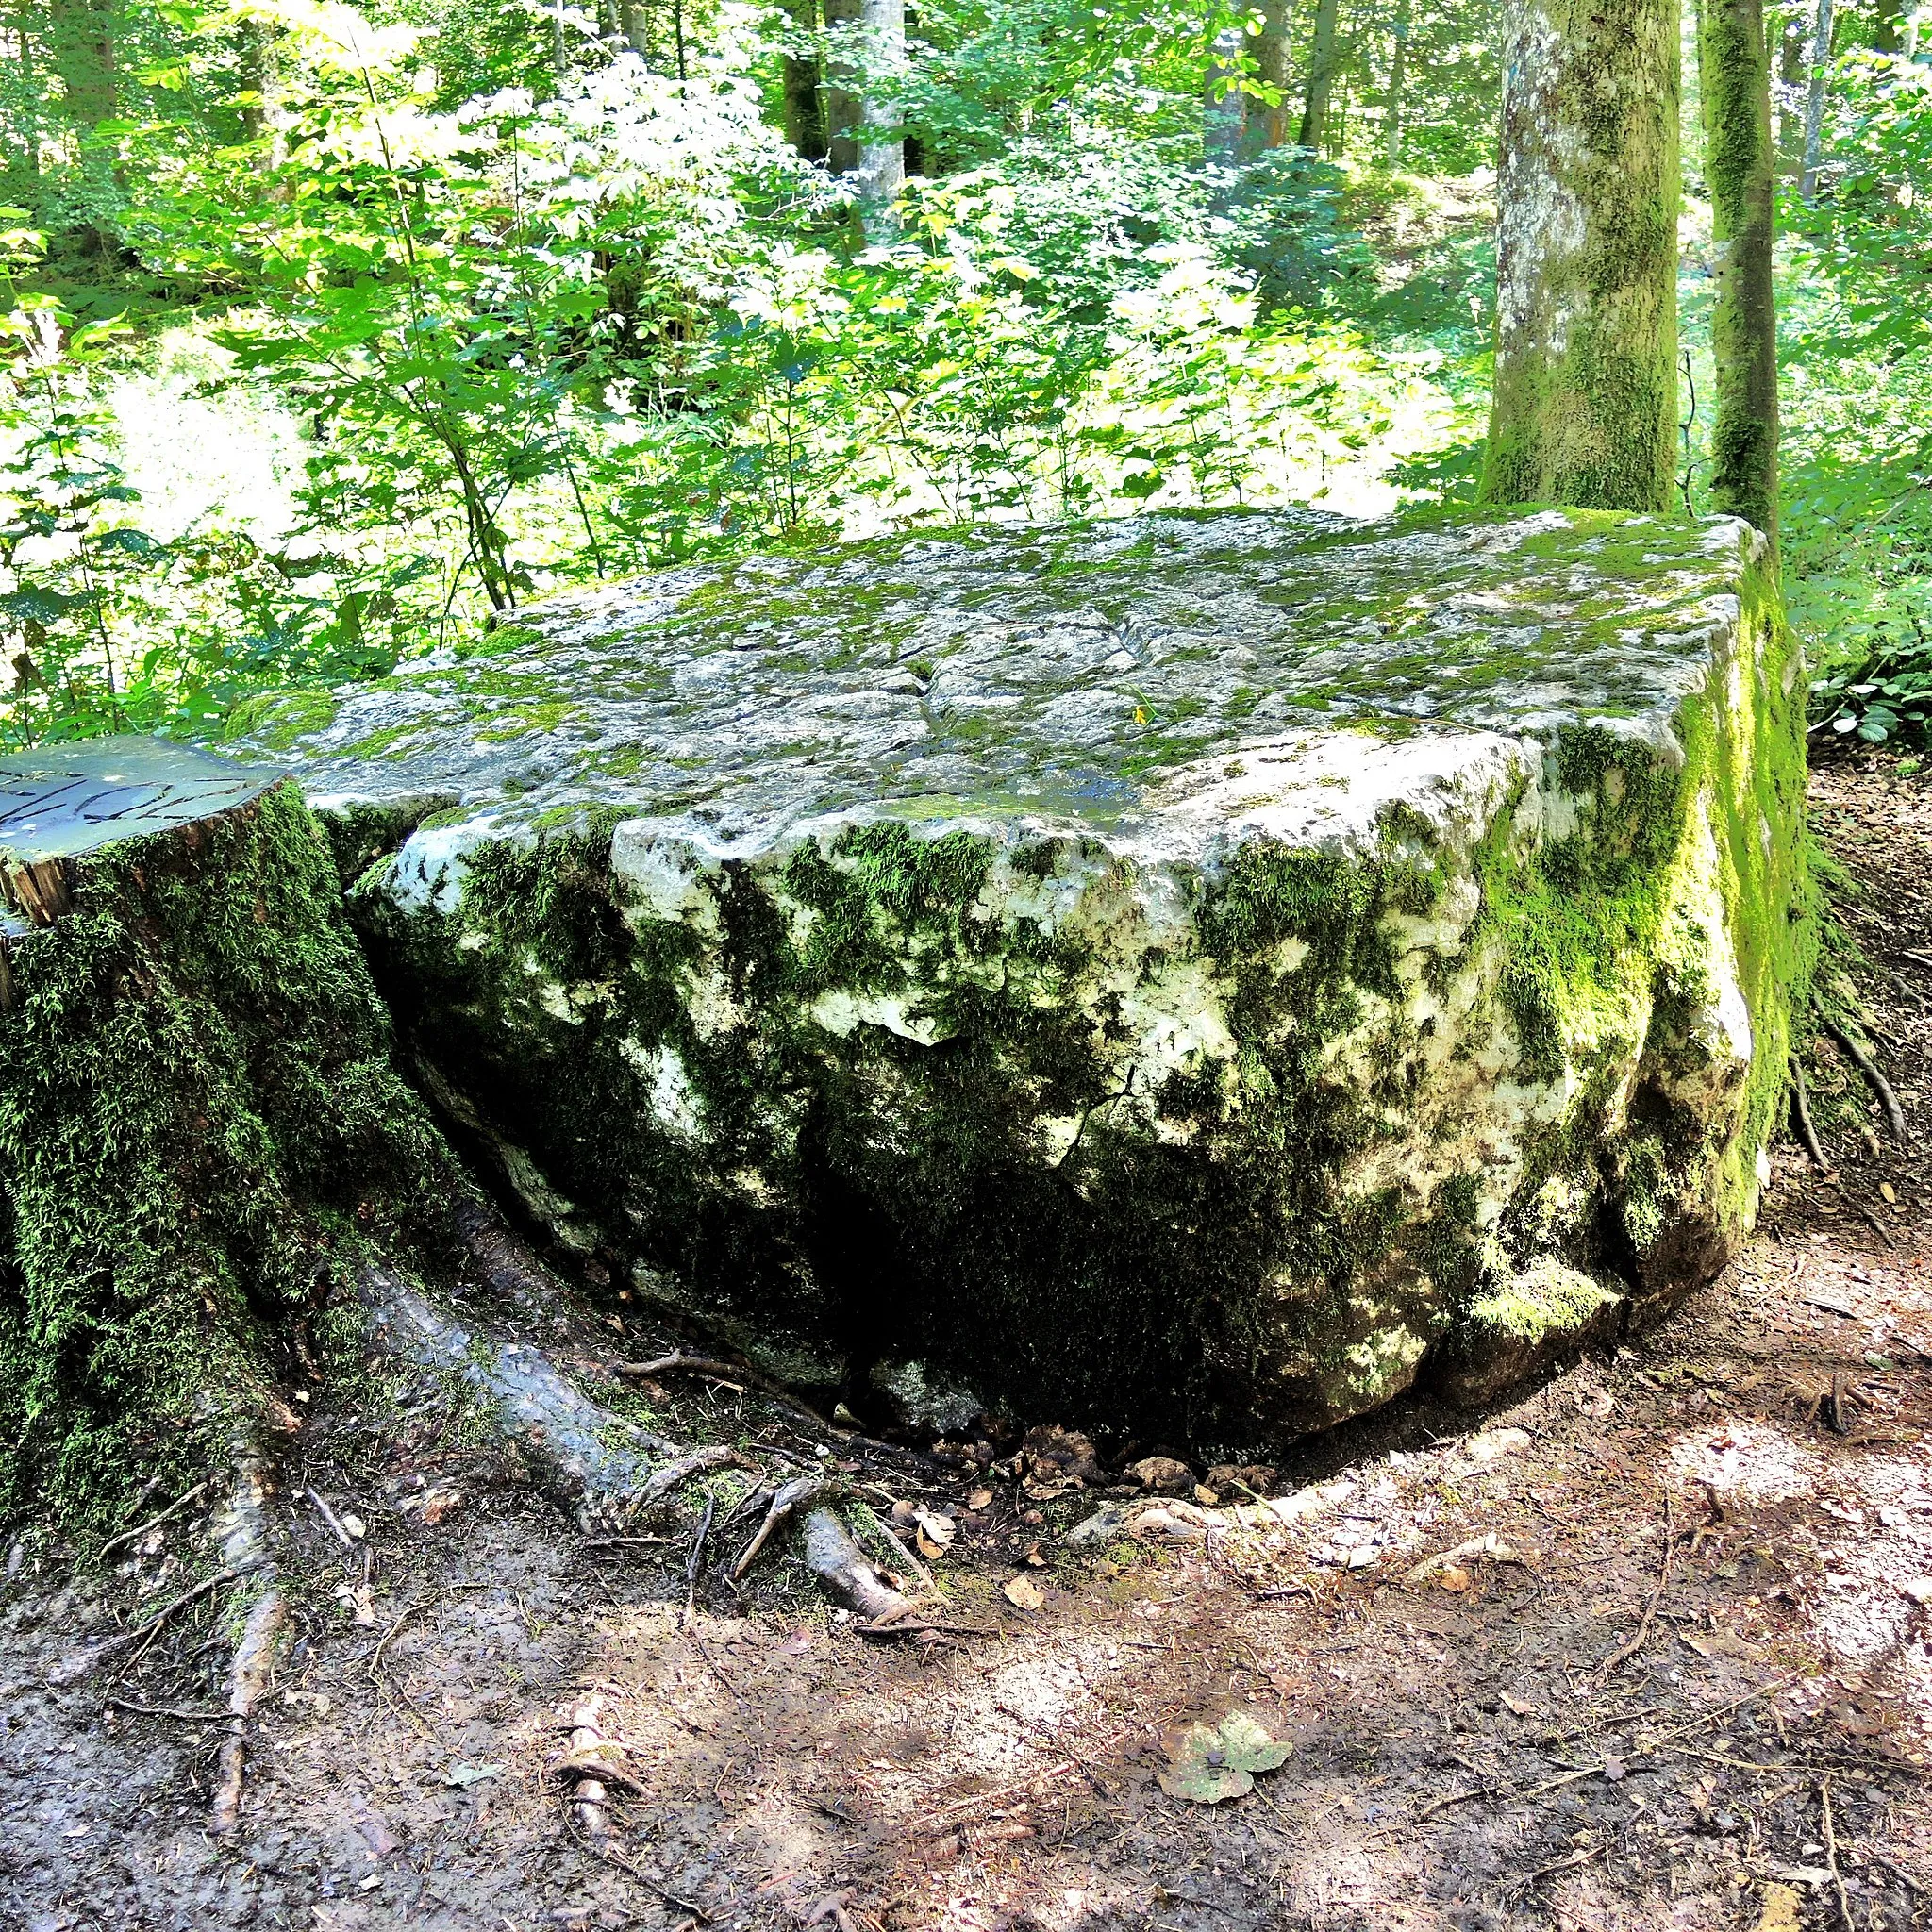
(334, 1522)
(199, 1716)
(734, 1373)
(1861, 1058)
(174, 1508)
(694, 1561)
(1626, 1651)
(1844, 1901)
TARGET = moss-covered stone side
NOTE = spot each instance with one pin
(198, 1123)
(1210, 1106)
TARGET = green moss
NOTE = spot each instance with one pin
(198, 1120)
(1546, 1303)
(277, 720)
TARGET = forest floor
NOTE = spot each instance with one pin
(1675, 1671)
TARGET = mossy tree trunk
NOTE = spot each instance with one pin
(1322, 64)
(1734, 60)
(1584, 404)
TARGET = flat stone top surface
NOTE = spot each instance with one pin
(60, 800)
(1079, 670)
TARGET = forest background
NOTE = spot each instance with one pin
(333, 336)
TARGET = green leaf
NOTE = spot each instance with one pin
(1212, 1762)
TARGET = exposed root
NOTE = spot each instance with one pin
(1860, 1058)
(245, 1545)
(802, 1492)
(844, 1571)
(596, 1462)
(593, 1766)
(1801, 1115)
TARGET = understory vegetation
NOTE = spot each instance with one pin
(333, 336)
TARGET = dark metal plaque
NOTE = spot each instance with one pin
(65, 799)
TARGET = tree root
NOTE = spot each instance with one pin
(1860, 1058)
(596, 1463)
(802, 1492)
(844, 1571)
(1801, 1114)
(245, 1547)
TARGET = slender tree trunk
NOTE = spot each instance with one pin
(841, 93)
(1791, 73)
(1736, 80)
(804, 111)
(1222, 109)
(1814, 102)
(882, 148)
(1321, 75)
(1584, 403)
(1398, 73)
(1268, 127)
(634, 21)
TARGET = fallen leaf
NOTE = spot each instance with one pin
(1210, 1763)
(1035, 1558)
(1023, 1594)
(1518, 1705)
(463, 1776)
(979, 1499)
(1455, 1577)
(1885, 1188)
(936, 1532)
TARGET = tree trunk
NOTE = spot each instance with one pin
(1736, 81)
(842, 94)
(1585, 405)
(634, 23)
(1268, 126)
(804, 111)
(1398, 69)
(1791, 73)
(1321, 75)
(1221, 106)
(1814, 104)
(881, 150)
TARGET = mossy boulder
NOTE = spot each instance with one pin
(200, 1123)
(1173, 975)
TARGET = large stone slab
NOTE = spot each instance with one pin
(1186, 974)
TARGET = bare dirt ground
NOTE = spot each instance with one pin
(1670, 1671)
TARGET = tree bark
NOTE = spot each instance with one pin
(1584, 403)
(1221, 106)
(1815, 101)
(1314, 126)
(1398, 72)
(1736, 81)
(842, 111)
(805, 107)
(881, 148)
(1814, 104)
(1268, 126)
(634, 23)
